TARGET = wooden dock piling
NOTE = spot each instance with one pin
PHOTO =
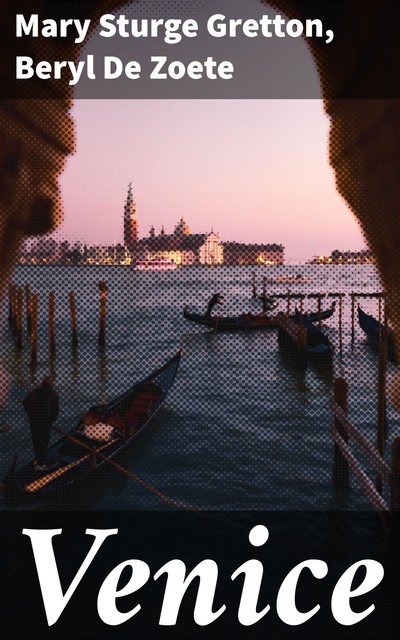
(74, 327)
(292, 336)
(381, 432)
(319, 310)
(353, 306)
(34, 330)
(18, 319)
(254, 284)
(103, 313)
(264, 300)
(288, 303)
(52, 337)
(28, 308)
(11, 306)
(395, 476)
(341, 479)
(341, 323)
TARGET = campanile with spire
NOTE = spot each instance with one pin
(130, 222)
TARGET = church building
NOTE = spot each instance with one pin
(182, 246)
(186, 248)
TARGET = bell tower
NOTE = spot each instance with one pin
(130, 222)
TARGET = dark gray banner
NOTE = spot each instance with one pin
(236, 49)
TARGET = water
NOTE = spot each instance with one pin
(241, 429)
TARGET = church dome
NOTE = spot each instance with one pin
(182, 229)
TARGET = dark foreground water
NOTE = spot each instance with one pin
(242, 428)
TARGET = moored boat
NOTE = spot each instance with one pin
(247, 321)
(304, 340)
(104, 430)
(318, 344)
(156, 264)
(244, 322)
(374, 329)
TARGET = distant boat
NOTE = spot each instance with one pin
(297, 279)
(157, 264)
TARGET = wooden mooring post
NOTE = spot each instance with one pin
(342, 431)
(35, 309)
(353, 309)
(52, 313)
(382, 431)
(340, 476)
(288, 303)
(292, 336)
(264, 300)
(341, 323)
(319, 298)
(18, 319)
(103, 313)
(74, 326)
(254, 284)
(11, 308)
(28, 308)
(395, 477)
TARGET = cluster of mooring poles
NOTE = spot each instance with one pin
(22, 302)
(348, 440)
(290, 296)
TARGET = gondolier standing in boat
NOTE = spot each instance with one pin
(216, 299)
(41, 405)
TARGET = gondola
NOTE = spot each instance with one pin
(318, 347)
(105, 430)
(247, 321)
(373, 329)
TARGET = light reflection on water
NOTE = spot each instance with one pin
(242, 428)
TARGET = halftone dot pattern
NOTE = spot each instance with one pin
(247, 423)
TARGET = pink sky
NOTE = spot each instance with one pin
(254, 170)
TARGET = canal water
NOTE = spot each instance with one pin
(242, 429)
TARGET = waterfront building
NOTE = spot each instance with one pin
(239, 253)
(182, 246)
(364, 256)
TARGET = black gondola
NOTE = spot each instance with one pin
(373, 329)
(318, 347)
(318, 344)
(248, 321)
(105, 430)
